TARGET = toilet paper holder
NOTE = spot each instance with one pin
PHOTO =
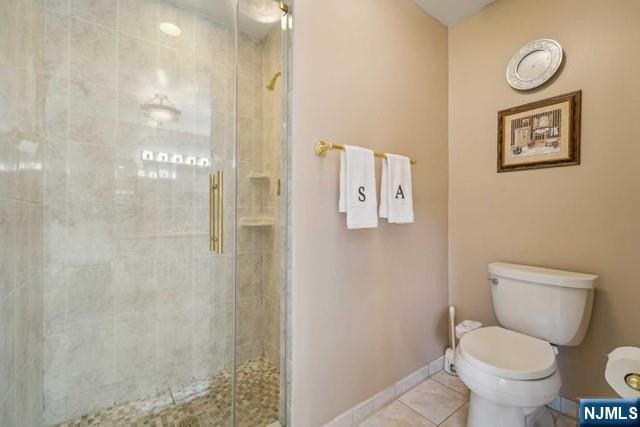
(633, 380)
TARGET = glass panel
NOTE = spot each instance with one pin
(139, 111)
(260, 214)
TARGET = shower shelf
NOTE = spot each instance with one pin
(257, 222)
(259, 176)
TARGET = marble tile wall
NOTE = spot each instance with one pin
(252, 241)
(21, 211)
(272, 160)
(133, 300)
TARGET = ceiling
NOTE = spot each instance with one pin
(451, 11)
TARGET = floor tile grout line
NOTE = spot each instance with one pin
(413, 410)
(453, 413)
(466, 399)
(452, 389)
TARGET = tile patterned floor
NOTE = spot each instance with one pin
(442, 400)
(203, 404)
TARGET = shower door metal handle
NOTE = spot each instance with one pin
(216, 212)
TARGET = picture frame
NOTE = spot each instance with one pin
(541, 134)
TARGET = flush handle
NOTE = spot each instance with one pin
(493, 281)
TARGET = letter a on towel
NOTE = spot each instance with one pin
(396, 199)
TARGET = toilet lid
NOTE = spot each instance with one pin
(508, 354)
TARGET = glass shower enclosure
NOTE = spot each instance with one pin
(163, 161)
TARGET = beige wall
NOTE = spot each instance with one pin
(368, 305)
(583, 218)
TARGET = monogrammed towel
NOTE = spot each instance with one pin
(358, 198)
(396, 200)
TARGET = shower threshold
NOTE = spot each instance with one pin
(202, 404)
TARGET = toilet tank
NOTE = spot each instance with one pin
(553, 305)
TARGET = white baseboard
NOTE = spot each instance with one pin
(358, 413)
(361, 411)
(564, 406)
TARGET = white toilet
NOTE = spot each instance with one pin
(511, 369)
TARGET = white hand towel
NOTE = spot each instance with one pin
(396, 198)
(358, 196)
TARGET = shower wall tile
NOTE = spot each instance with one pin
(132, 138)
(8, 152)
(55, 172)
(137, 66)
(29, 173)
(22, 126)
(60, 6)
(176, 73)
(185, 42)
(182, 186)
(56, 107)
(208, 284)
(7, 344)
(92, 57)
(174, 285)
(173, 345)
(250, 319)
(8, 236)
(90, 234)
(55, 300)
(135, 352)
(137, 222)
(90, 178)
(8, 413)
(55, 235)
(55, 353)
(250, 269)
(101, 12)
(138, 18)
(24, 395)
(56, 57)
(90, 297)
(86, 128)
(22, 248)
(89, 360)
(135, 291)
(7, 51)
(92, 100)
(22, 333)
(131, 188)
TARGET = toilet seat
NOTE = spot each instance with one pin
(508, 354)
(508, 368)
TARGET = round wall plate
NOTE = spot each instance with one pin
(534, 64)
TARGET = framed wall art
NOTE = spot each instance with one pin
(541, 134)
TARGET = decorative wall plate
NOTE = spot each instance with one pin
(534, 64)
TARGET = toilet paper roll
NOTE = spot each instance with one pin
(622, 362)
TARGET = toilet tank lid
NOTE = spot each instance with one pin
(541, 275)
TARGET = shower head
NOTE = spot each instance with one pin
(272, 84)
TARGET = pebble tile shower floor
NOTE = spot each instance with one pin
(204, 404)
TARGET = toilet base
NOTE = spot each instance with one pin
(485, 413)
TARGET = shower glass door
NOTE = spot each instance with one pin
(164, 210)
(139, 99)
